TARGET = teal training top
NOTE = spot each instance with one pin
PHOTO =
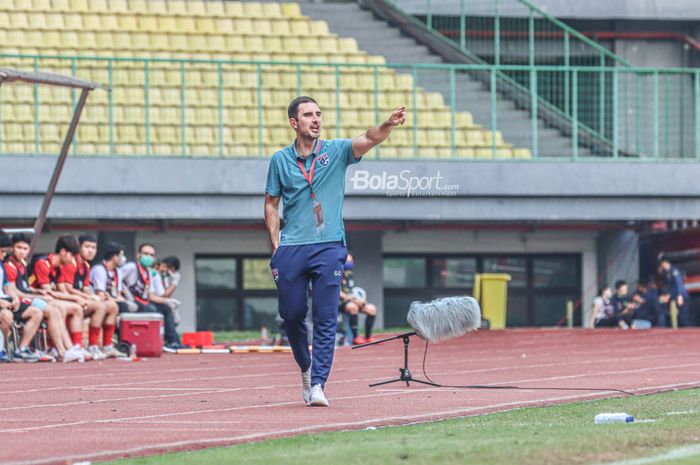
(286, 179)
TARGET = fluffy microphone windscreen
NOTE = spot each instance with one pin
(445, 318)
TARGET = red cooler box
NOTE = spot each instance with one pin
(146, 330)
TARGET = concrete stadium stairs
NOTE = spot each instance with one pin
(378, 37)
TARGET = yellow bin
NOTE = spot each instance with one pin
(491, 290)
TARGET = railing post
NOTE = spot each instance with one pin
(429, 18)
(567, 64)
(601, 97)
(220, 72)
(697, 114)
(462, 26)
(37, 137)
(531, 37)
(337, 101)
(1, 122)
(453, 103)
(110, 78)
(615, 114)
(147, 77)
(298, 68)
(497, 34)
(260, 111)
(574, 115)
(74, 73)
(415, 110)
(656, 114)
(183, 112)
(666, 112)
(376, 106)
(494, 120)
(533, 111)
(638, 113)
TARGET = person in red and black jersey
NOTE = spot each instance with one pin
(45, 278)
(17, 287)
(137, 278)
(74, 279)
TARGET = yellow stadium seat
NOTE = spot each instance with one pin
(120, 6)
(156, 7)
(234, 9)
(522, 153)
(78, 5)
(196, 8)
(178, 7)
(20, 5)
(37, 20)
(253, 9)
(185, 25)
(215, 8)
(291, 10)
(475, 138)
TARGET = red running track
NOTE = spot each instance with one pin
(102, 410)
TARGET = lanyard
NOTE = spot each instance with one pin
(309, 176)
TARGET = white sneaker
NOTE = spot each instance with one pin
(96, 353)
(111, 352)
(318, 399)
(87, 356)
(306, 385)
(74, 354)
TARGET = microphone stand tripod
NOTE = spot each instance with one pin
(404, 371)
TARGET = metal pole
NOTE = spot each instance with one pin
(147, 77)
(453, 103)
(183, 103)
(110, 67)
(567, 63)
(601, 97)
(533, 111)
(574, 115)
(430, 15)
(220, 72)
(415, 111)
(36, 110)
(260, 111)
(376, 105)
(497, 34)
(656, 114)
(615, 115)
(48, 197)
(494, 120)
(462, 26)
(697, 114)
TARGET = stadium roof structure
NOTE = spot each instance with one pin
(9, 76)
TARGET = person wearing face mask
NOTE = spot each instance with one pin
(353, 303)
(138, 280)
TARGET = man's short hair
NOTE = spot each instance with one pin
(619, 284)
(172, 261)
(21, 237)
(5, 240)
(69, 243)
(87, 238)
(293, 109)
(146, 244)
(112, 249)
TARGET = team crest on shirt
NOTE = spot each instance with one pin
(275, 274)
(323, 159)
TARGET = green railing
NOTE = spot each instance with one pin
(517, 32)
(171, 107)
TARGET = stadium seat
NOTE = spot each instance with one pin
(134, 29)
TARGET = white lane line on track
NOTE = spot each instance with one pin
(226, 390)
(265, 373)
(180, 445)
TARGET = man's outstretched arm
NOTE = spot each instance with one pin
(272, 220)
(376, 135)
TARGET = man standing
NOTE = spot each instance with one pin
(309, 175)
(673, 278)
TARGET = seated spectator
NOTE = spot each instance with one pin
(167, 280)
(623, 306)
(106, 281)
(137, 278)
(673, 280)
(603, 313)
(353, 304)
(7, 306)
(45, 275)
(24, 298)
(651, 308)
(74, 279)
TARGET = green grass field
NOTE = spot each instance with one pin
(558, 435)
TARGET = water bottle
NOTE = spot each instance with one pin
(603, 418)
